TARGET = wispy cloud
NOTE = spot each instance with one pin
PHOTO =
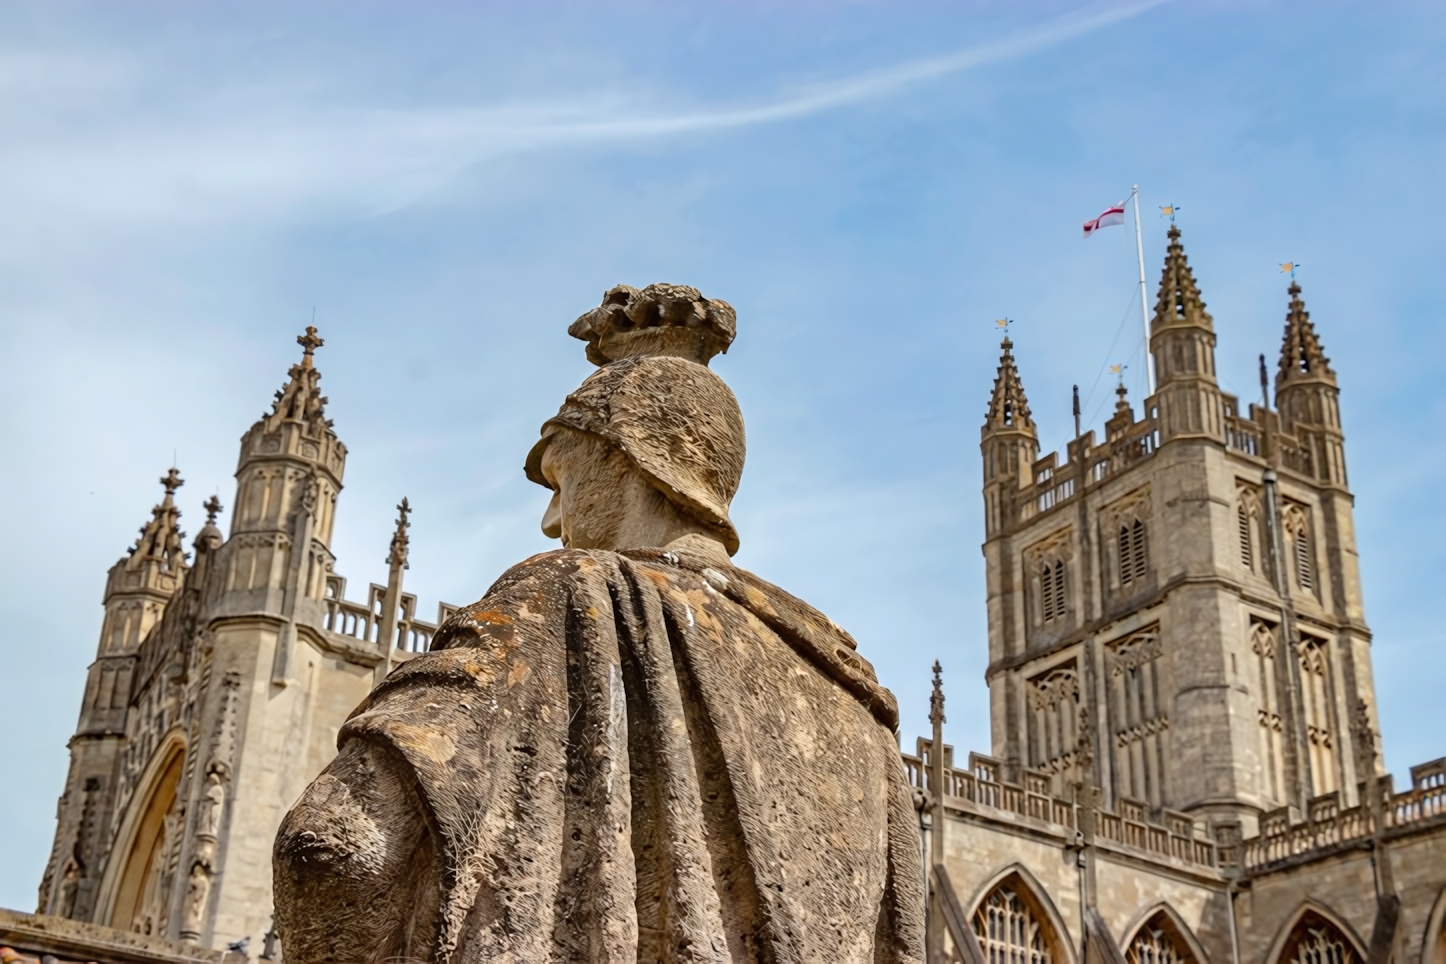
(276, 156)
(870, 85)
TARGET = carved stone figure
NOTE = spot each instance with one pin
(198, 889)
(208, 819)
(629, 750)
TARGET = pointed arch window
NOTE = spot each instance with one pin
(1012, 929)
(1297, 528)
(1315, 940)
(1054, 726)
(1268, 710)
(1316, 702)
(1133, 552)
(1158, 941)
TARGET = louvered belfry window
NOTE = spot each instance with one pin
(1305, 573)
(1052, 595)
(1247, 556)
(1134, 554)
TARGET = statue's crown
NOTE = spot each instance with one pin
(660, 320)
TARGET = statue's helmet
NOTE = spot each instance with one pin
(654, 398)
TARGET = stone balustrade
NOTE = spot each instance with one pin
(1285, 835)
(363, 620)
(1167, 834)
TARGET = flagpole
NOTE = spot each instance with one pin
(1144, 313)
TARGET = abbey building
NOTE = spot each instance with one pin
(1186, 764)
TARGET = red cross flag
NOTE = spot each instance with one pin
(1114, 215)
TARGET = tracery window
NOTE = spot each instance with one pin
(1268, 709)
(1315, 684)
(1134, 556)
(1054, 719)
(1138, 723)
(1158, 942)
(1011, 930)
(1315, 940)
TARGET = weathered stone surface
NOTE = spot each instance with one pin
(629, 749)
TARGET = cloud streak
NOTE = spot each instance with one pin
(874, 84)
(267, 160)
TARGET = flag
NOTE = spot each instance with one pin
(1114, 215)
(1167, 211)
(1116, 369)
(1002, 322)
(1288, 266)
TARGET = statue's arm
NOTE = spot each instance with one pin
(460, 751)
(358, 874)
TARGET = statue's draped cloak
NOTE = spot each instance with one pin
(631, 757)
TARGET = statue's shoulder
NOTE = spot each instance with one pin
(772, 603)
(553, 565)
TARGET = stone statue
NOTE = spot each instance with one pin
(198, 889)
(208, 820)
(628, 750)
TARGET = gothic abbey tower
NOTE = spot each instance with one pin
(217, 691)
(1175, 610)
(1186, 765)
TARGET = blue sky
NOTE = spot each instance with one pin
(870, 184)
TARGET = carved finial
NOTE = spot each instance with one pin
(936, 700)
(659, 320)
(172, 481)
(309, 343)
(213, 508)
(397, 556)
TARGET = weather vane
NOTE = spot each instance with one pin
(1004, 323)
(1168, 211)
(1290, 266)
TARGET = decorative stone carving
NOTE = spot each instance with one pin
(1133, 651)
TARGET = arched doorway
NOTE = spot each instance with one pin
(1013, 928)
(1317, 940)
(143, 890)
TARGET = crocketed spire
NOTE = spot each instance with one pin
(1179, 303)
(1301, 355)
(1008, 408)
(160, 539)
